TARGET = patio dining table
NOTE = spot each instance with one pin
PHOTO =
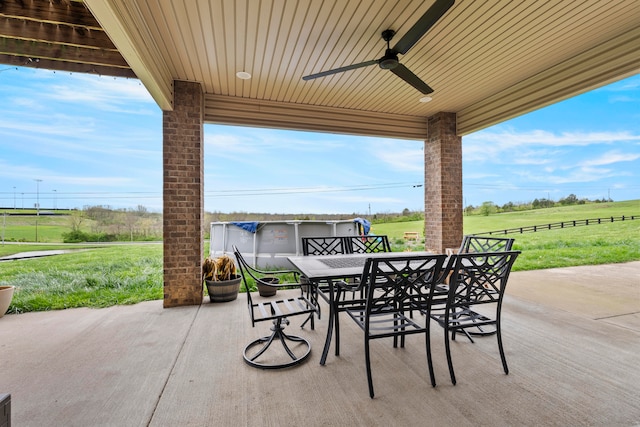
(332, 268)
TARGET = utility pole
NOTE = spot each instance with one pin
(14, 197)
(38, 181)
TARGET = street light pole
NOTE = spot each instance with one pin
(38, 181)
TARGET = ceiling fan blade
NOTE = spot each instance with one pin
(405, 74)
(340, 70)
(420, 28)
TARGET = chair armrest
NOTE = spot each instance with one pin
(296, 273)
(265, 281)
(347, 287)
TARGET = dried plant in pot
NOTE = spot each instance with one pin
(219, 274)
(6, 295)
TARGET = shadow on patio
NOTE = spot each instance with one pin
(572, 339)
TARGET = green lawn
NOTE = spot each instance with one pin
(23, 228)
(100, 277)
(587, 245)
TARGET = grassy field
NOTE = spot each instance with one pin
(23, 228)
(587, 245)
(126, 274)
(99, 277)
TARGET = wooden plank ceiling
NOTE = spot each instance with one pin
(57, 35)
(487, 61)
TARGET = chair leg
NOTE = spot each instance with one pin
(501, 349)
(336, 320)
(448, 350)
(367, 358)
(429, 360)
(310, 318)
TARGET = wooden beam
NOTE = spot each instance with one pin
(71, 67)
(33, 49)
(67, 13)
(53, 33)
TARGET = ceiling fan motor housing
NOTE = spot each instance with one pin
(389, 61)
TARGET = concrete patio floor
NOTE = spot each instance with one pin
(571, 335)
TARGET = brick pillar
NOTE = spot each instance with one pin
(183, 213)
(443, 184)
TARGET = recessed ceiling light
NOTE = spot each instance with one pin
(243, 75)
(425, 99)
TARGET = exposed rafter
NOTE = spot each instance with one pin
(59, 35)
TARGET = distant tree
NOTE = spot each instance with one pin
(508, 207)
(542, 203)
(488, 208)
(571, 199)
(75, 220)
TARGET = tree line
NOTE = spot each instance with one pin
(104, 224)
(488, 208)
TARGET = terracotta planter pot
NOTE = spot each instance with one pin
(268, 291)
(6, 294)
(223, 290)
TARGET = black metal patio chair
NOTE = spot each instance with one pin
(477, 244)
(322, 245)
(296, 349)
(393, 287)
(474, 298)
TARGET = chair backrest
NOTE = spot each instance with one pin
(333, 245)
(367, 244)
(474, 244)
(479, 278)
(245, 271)
(400, 283)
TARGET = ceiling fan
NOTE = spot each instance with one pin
(390, 59)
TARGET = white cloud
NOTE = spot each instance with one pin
(610, 158)
(510, 139)
(99, 93)
(406, 156)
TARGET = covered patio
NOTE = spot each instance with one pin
(485, 61)
(572, 339)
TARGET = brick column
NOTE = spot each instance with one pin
(183, 213)
(443, 184)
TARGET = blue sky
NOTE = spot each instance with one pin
(98, 141)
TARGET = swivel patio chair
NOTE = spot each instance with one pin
(476, 288)
(294, 349)
(393, 287)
